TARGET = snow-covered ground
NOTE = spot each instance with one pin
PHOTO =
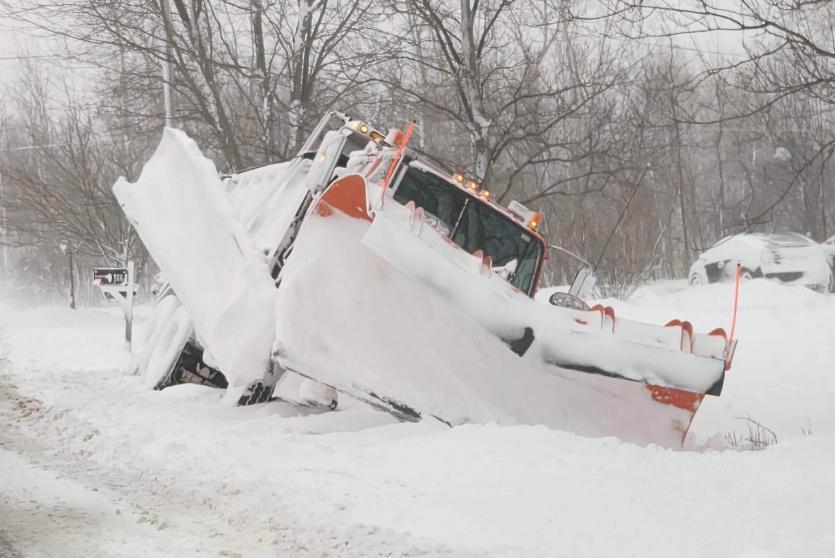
(93, 464)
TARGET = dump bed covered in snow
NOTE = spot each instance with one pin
(180, 210)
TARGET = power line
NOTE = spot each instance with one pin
(19, 58)
(33, 147)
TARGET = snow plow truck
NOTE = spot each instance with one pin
(360, 267)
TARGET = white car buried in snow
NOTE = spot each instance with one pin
(790, 258)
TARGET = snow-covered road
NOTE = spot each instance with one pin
(53, 502)
(77, 483)
(94, 465)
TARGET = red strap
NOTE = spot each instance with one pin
(736, 301)
(399, 154)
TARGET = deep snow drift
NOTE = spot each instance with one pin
(175, 473)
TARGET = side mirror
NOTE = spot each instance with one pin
(567, 300)
(583, 283)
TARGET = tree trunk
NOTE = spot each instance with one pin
(264, 86)
(479, 125)
(72, 278)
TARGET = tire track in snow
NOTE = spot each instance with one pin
(171, 506)
(43, 517)
(6, 548)
(58, 503)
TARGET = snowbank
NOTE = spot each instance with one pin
(103, 466)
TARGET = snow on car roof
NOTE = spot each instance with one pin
(771, 240)
(780, 240)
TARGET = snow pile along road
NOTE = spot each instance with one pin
(183, 476)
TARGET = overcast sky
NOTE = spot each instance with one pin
(18, 40)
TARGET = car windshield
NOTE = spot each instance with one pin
(474, 225)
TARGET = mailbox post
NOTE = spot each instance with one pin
(117, 284)
(128, 306)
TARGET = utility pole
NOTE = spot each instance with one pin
(3, 238)
(167, 68)
(128, 305)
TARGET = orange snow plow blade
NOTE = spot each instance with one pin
(584, 371)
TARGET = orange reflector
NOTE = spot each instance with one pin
(376, 136)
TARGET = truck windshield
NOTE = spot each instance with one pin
(474, 225)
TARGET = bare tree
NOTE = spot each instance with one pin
(487, 69)
(789, 55)
(248, 74)
(57, 173)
